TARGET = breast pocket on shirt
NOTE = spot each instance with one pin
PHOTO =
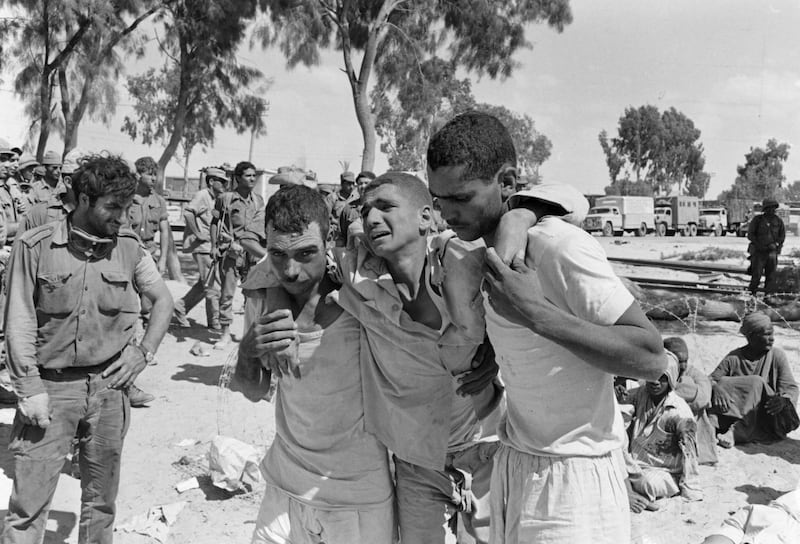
(56, 296)
(116, 293)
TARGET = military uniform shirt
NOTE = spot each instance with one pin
(242, 218)
(64, 310)
(43, 213)
(145, 215)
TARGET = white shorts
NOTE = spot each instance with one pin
(283, 519)
(558, 500)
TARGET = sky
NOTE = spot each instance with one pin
(732, 66)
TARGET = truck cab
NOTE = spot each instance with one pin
(713, 220)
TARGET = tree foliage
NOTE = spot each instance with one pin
(761, 175)
(430, 97)
(395, 38)
(655, 152)
(66, 52)
(201, 86)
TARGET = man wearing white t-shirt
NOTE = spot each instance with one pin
(562, 325)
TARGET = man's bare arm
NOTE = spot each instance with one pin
(630, 347)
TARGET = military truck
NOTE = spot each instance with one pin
(677, 214)
(616, 215)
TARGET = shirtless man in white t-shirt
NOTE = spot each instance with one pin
(562, 325)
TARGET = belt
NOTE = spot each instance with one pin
(77, 371)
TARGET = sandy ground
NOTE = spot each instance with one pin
(191, 406)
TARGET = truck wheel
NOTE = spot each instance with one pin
(608, 229)
(718, 230)
(692, 231)
(724, 232)
(661, 229)
(642, 230)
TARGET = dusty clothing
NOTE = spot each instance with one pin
(430, 501)
(663, 445)
(538, 499)
(72, 317)
(68, 311)
(751, 383)
(695, 388)
(145, 217)
(560, 409)
(322, 456)
(283, 519)
(409, 369)
(83, 406)
(540, 376)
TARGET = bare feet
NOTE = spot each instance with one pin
(726, 440)
(638, 503)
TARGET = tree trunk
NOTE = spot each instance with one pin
(179, 123)
(45, 97)
(366, 120)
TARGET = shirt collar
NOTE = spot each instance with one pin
(61, 232)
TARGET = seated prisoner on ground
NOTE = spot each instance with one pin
(695, 388)
(662, 440)
(754, 393)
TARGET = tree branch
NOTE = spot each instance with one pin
(71, 45)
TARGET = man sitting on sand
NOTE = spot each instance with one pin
(663, 445)
(754, 393)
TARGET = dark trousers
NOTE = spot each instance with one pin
(83, 406)
(764, 263)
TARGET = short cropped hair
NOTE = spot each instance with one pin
(478, 140)
(146, 165)
(366, 174)
(409, 185)
(294, 207)
(241, 167)
(103, 175)
(677, 346)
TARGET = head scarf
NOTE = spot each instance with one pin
(755, 322)
(671, 372)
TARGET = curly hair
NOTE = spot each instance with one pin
(294, 207)
(146, 165)
(103, 175)
(478, 140)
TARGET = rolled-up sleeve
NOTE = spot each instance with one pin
(21, 323)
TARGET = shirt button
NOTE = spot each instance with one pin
(395, 307)
(83, 312)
